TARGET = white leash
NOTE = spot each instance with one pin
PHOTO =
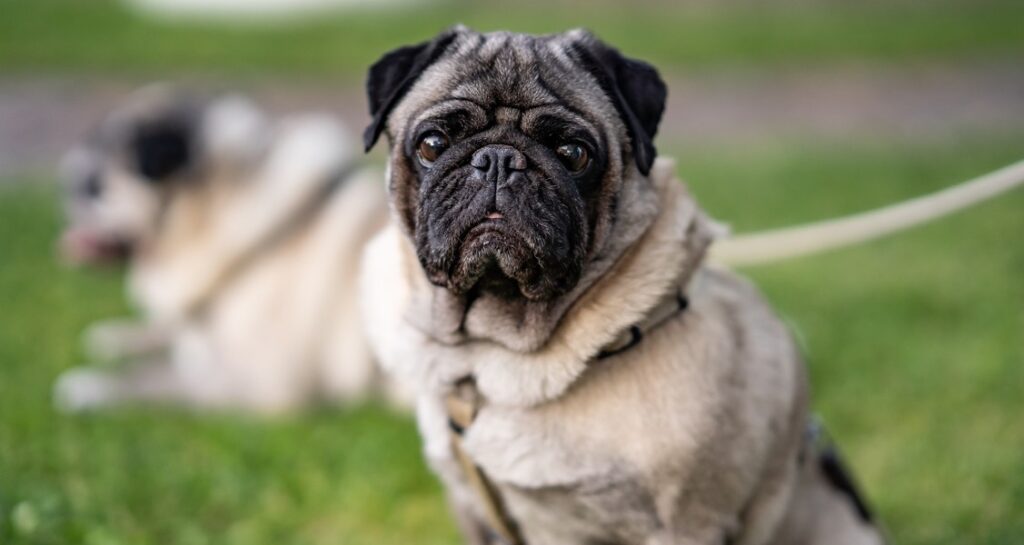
(778, 244)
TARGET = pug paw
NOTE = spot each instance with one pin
(115, 340)
(79, 390)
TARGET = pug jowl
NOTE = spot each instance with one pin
(543, 258)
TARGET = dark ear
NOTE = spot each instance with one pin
(394, 74)
(634, 87)
(162, 147)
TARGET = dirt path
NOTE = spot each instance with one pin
(41, 116)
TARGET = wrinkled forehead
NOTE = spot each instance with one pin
(504, 71)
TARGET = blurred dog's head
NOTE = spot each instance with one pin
(119, 179)
(510, 151)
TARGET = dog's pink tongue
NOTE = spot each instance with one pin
(495, 216)
(79, 246)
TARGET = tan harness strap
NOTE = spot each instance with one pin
(462, 406)
(465, 401)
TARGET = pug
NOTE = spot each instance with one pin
(242, 236)
(584, 376)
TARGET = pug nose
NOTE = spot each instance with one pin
(498, 162)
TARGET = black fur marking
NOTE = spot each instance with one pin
(92, 186)
(536, 247)
(391, 77)
(542, 83)
(162, 148)
(835, 471)
(455, 119)
(452, 199)
(459, 430)
(636, 90)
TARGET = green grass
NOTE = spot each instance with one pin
(915, 342)
(164, 477)
(49, 35)
(916, 347)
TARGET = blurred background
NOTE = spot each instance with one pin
(779, 112)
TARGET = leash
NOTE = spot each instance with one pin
(777, 244)
(464, 402)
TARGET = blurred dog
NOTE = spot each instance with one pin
(585, 378)
(242, 237)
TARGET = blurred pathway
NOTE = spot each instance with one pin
(41, 116)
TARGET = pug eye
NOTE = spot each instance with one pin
(92, 187)
(431, 146)
(573, 156)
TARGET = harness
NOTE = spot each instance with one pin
(304, 214)
(464, 402)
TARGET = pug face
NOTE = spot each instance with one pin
(115, 181)
(119, 179)
(509, 152)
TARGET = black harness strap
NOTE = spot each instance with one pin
(632, 336)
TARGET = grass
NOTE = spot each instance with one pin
(914, 342)
(152, 477)
(71, 35)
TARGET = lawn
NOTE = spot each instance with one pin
(914, 342)
(161, 477)
(86, 36)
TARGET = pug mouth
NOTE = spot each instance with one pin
(79, 246)
(517, 238)
(492, 257)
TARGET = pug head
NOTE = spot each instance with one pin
(120, 178)
(509, 153)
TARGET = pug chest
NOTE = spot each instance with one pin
(571, 476)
